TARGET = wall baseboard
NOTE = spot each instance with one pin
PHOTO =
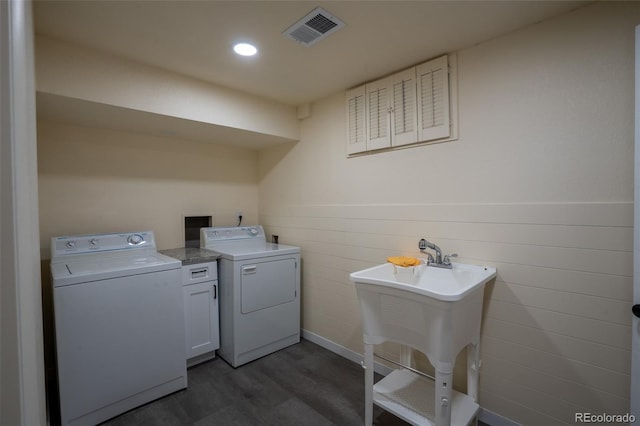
(342, 351)
(486, 416)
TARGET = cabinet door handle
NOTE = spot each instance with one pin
(215, 292)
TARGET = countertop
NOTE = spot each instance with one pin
(191, 255)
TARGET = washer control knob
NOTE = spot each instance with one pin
(93, 242)
(253, 231)
(71, 244)
(135, 239)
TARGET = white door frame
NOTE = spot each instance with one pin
(635, 328)
(22, 385)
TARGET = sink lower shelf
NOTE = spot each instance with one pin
(412, 398)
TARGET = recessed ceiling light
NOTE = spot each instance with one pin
(245, 49)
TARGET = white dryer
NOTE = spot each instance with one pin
(259, 292)
(119, 321)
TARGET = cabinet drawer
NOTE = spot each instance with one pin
(199, 272)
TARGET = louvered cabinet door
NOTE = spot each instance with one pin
(378, 112)
(404, 130)
(433, 100)
(356, 137)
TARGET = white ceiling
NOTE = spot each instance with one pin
(195, 38)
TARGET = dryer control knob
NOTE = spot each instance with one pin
(70, 244)
(135, 239)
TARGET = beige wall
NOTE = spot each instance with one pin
(79, 73)
(539, 184)
(95, 180)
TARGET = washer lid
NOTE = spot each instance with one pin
(241, 250)
(101, 266)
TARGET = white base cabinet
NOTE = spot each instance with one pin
(202, 325)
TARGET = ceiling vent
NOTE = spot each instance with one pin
(314, 27)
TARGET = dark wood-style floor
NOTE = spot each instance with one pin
(303, 384)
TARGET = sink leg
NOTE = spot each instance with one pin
(444, 392)
(473, 367)
(368, 384)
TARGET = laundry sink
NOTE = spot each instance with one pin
(448, 285)
(437, 311)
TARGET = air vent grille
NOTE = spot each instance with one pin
(321, 23)
(315, 26)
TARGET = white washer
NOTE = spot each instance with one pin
(259, 292)
(119, 320)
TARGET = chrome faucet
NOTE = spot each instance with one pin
(424, 244)
(438, 261)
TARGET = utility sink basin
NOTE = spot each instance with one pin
(436, 311)
(447, 285)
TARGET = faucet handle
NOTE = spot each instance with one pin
(446, 259)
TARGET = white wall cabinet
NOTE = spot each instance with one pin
(405, 108)
(202, 326)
